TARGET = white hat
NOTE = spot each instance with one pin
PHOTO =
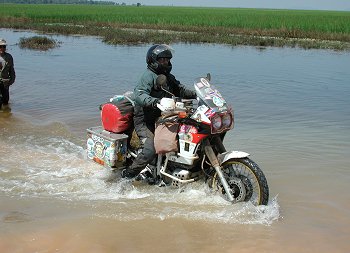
(3, 42)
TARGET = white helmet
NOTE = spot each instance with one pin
(3, 42)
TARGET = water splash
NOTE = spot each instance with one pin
(55, 167)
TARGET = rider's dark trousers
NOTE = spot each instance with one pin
(145, 132)
(5, 93)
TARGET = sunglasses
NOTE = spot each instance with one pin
(2, 46)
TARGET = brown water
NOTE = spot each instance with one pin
(292, 113)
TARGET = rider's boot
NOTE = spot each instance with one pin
(127, 174)
(145, 176)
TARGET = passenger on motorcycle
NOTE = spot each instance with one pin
(147, 95)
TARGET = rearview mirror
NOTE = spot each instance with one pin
(160, 82)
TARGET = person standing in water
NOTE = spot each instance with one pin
(7, 75)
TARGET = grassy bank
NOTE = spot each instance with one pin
(146, 24)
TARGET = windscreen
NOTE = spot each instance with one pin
(209, 95)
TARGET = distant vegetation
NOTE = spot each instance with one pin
(41, 43)
(152, 24)
(60, 2)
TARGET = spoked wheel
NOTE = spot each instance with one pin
(246, 180)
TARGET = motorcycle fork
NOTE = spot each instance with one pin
(216, 141)
(215, 163)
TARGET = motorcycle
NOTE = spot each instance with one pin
(197, 151)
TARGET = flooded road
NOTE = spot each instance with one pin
(292, 114)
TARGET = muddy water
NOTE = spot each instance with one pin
(292, 114)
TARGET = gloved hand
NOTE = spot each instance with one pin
(155, 102)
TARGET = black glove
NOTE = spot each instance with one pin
(155, 102)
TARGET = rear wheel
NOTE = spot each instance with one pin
(246, 180)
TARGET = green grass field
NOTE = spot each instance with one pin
(217, 22)
(317, 21)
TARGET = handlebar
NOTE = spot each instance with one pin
(175, 105)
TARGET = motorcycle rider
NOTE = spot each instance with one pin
(147, 95)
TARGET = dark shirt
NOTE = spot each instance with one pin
(7, 70)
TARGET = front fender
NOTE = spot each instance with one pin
(223, 157)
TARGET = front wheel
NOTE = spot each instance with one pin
(246, 180)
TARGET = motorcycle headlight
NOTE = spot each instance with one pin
(216, 122)
(227, 120)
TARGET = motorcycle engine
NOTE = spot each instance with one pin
(182, 174)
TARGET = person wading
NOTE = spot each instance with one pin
(7, 75)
